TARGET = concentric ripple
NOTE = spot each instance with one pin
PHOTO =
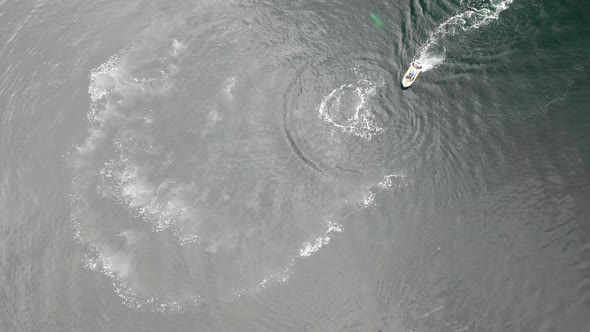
(342, 116)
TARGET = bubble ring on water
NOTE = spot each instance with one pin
(360, 123)
(319, 117)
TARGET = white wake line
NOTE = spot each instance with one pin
(473, 18)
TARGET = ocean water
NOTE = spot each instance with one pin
(256, 166)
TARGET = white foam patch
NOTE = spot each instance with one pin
(333, 109)
(368, 200)
(389, 182)
(394, 180)
(109, 169)
(432, 54)
(116, 268)
(178, 47)
(307, 250)
(162, 205)
(230, 83)
(112, 85)
(281, 277)
(103, 165)
(311, 247)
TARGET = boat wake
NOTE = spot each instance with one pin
(432, 53)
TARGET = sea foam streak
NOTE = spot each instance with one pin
(432, 53)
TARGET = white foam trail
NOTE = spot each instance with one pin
(432, 53)
(118, 179)
(280, 277)
(389, 182)
(309, 248)
(394, 180)
(116, 268)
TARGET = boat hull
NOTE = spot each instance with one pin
(406, 83)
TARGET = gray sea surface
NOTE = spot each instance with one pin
(252, 165)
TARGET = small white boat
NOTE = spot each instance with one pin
(412, 74)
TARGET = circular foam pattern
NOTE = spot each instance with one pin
(185, 190)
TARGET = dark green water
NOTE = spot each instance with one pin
(255, 166)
